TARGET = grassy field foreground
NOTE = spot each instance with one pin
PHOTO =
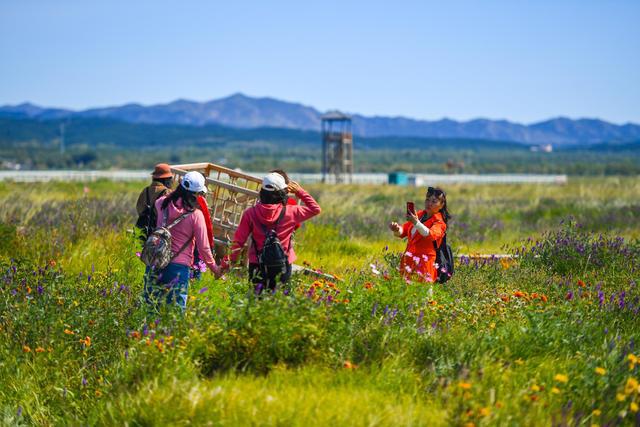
(549, 339)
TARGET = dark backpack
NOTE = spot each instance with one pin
(444, 260)
(156, 252)
(272, 258)
(147, 219)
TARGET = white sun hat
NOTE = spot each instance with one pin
(274, 182)
(194, 181)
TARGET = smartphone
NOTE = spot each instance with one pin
(411, 208)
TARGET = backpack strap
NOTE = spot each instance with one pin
(165, 214)
(264, 227)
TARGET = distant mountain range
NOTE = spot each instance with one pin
(241, 111)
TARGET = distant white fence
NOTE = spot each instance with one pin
(358, 178)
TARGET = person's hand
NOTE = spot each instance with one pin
(218, 271)
(294, 187)
(395, 227)
(412, 217)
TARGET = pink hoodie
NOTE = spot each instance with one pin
(192, 227)
(267, 215)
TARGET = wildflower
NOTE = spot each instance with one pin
(69, 332)
(484, 412)
(368, 285)
(464, 386)
(26, 349)
(633, 360)
(52, 262)
(519, 294)
(535, 388)
(40, 350)
(562, 378)
(504, 298)
(569, 296)
(620, 397)
(135, 335)
(203, 290)
(138, 254)
(581, 283)
(534, 397)
(555, 390)
(201, 266)
(543, 298)
(633, 407)
(348, 365)
(519, 361)
(601, 371)
(374, 269)
(98, 393)
(631, 386)
(596, 412)
(86, 341)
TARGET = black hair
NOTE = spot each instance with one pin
(273, 197)
(442, 196)
(189, 198)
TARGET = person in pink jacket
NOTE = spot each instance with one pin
(272, 213)
(171, 284)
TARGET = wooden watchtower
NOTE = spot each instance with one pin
(337, 148)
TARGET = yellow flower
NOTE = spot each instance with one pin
(535, 388)
(484, 412)
(519, 361)
(631, 386)
(596, 412)
(633, 407)
(555, 390)
(620, 397)
(601, 371)
(561, 378)
(464, 386)
(98, 393)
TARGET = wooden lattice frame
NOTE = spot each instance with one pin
(230, 193)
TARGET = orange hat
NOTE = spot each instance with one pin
(162, 170)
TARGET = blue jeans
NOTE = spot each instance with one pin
(169, 286)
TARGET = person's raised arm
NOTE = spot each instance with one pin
(310, 208)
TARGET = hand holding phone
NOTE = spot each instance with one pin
(411, 209)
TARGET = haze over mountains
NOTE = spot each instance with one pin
(240, 111)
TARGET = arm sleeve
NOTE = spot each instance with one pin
(422, 229)
(241, 235)
(437, 230)
(405, 229)
(310, 209)
(202, 239)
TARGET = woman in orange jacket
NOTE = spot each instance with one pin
(422, 229)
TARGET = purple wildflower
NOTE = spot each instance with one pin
(203, 290)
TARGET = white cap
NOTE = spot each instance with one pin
(273, 182)
(194, 182)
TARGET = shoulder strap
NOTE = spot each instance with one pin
(264, 227)
(165, 215)
(148, 198)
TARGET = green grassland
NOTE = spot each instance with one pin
(550, 338)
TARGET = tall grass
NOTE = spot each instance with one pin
(548, 338)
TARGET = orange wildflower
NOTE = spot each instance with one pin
(464, 386)
(348, 365)
(368, 285)
(135, 335)
(69, 332)
(519, 294)
(505, 298)
(39, 350)
(581, 283)
(543, 298)
(26, 349)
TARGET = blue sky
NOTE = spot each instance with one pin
(515, 60)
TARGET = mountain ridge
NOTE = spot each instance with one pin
(245, 112)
